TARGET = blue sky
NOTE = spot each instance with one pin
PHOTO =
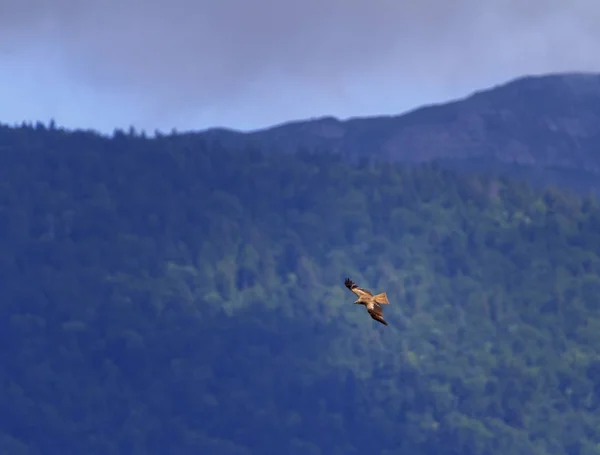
(196, 64)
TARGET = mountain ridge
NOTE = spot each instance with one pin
(571, 75)
(543, 120)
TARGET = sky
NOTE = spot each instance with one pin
(249, 64)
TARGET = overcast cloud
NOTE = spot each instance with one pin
(251, 63)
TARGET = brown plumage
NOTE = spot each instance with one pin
(371, 302)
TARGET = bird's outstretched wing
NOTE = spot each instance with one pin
(354, 288)
(376, 313)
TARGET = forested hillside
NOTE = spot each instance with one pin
(171, 296)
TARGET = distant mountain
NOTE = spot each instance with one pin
(544, 124)
(544, 120)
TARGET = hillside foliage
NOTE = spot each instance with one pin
(168, 295)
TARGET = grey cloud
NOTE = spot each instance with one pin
(182, 55)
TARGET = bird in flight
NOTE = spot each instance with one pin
(371, 302)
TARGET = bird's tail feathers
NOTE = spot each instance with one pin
(379, 318)
(381, 299)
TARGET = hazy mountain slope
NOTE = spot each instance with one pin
(543, 123)
(546, 120)
(164, 296)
